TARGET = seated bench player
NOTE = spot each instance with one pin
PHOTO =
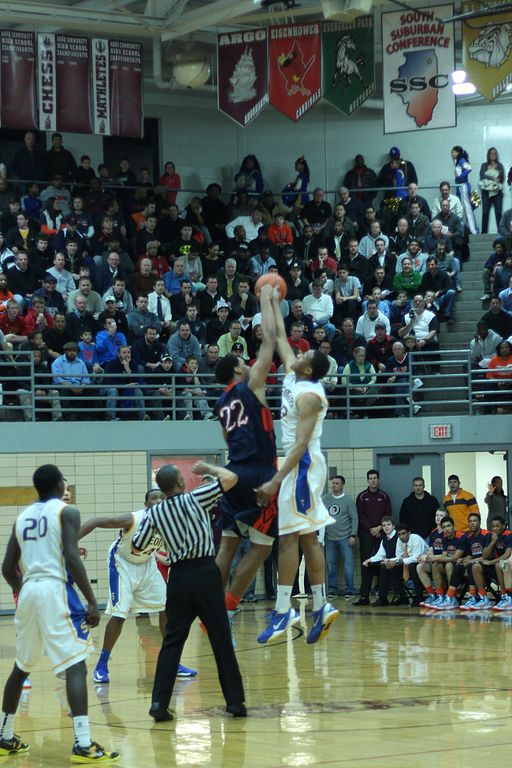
(134, 580)
(471, 546)
(493, 559)
(443, 563)
(424, 567)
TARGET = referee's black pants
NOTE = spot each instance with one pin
(195, 589)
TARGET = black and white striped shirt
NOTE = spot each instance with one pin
(183, 522)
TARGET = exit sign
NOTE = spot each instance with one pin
(440, 431)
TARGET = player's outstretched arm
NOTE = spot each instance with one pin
(260, 369)
(10, 570)
(283, 348)
(226, 478)
(70, 521)
(112, 521)
(308, 407)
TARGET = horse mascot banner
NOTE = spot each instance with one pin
(348, 78)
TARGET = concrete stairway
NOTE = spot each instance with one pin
(469, 309)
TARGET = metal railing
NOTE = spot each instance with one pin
(438, 382)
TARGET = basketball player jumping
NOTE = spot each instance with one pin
(249, 433)
(134, 581)
(50, 617)
(300, 482)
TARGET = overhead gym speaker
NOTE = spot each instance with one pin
(345, 10)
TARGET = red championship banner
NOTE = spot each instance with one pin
(73, 84)
(100, 87)
(46, 77)
(18, 80)
(242, 74)
(126, 89)
(295, 67)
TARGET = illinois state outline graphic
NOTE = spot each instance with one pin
(420, 104)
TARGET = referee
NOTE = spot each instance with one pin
(194, 587)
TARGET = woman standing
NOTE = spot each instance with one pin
(299, 185)
(462, 171)
(249, 178)
(496, 500)
(492, 178)
(171, 181)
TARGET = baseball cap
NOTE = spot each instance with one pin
(380, 324)
(49, 278)
(70, 345)
(165, 356)
(237, 347)
(110, 298)
(295, 265)
(394, 152)
(221, 304)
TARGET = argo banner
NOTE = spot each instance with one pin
(418, 57)
(295, 67)
(347, 62)
(487, 48)
(242, 74)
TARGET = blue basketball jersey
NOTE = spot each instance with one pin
(248, 425)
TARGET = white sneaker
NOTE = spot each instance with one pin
(485, 297)
(416, 409)
(416, 384)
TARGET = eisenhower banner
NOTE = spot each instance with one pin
(348, 77)
(295, 68)
(487, 48)
(418, 57)
(242, 74)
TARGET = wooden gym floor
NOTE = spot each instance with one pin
(388, 687)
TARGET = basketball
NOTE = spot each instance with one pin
(271, 279)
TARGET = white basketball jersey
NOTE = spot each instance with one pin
(291, 392)
(123, 544)
(39, 534)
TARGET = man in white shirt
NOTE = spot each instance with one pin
(385, 558)
(455, 204)
(409, 548)
(320, 306)
(367, 246)
(366, 323)
(251, 223)
(159, 304)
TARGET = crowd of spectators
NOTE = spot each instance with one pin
(126, 298)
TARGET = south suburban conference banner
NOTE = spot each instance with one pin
(117, 84)
(348, 65)
(295, 68)
(487, 48)
(242, 74)
(418, 57)
(18, 80)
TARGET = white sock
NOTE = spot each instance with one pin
(81, 729)
(7, 726)
(319, 599)
(283, 601)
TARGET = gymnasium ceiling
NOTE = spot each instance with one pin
(178, 30)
